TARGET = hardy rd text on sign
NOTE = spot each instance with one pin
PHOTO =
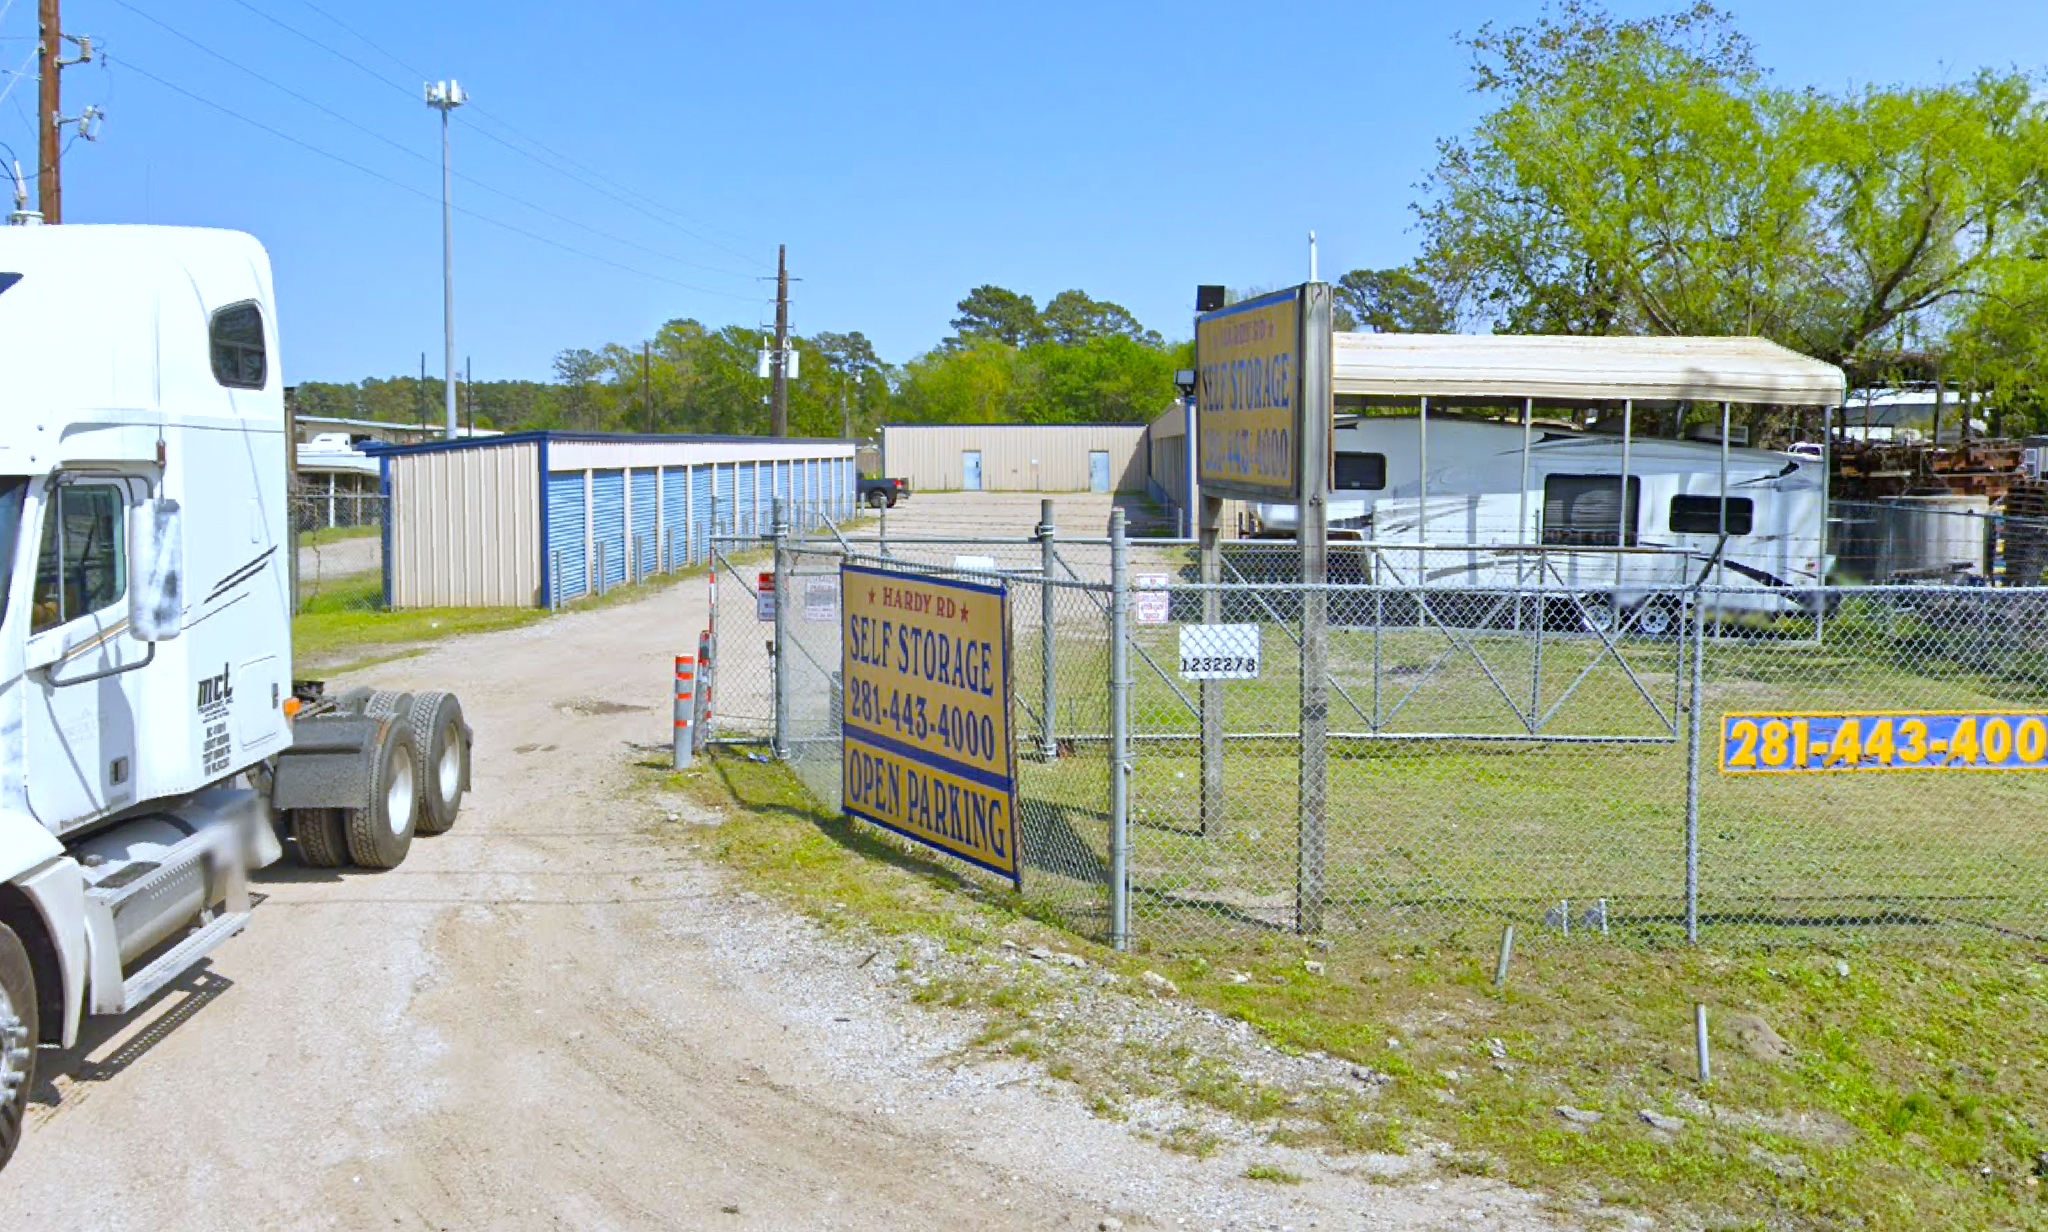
(1248, 397)
(1778, 743)
(925, 666)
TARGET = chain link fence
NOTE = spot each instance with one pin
(1540, 753)
(338, 550)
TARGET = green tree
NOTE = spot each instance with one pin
(1072, 317)
(1645, 177)
(994, 312)
(1391, 301)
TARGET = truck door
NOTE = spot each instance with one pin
(80, 713)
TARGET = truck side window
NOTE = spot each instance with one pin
(83, 566)
(237, 336)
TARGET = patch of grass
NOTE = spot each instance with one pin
(1906, 1094)
(324, 535)
(342, 628)
(1273, 1173)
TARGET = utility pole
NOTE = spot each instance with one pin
(444, 97)
(469, 392)
(419, 394)
(644, 399)
(778, 398)
(50, 117)
(49, 181)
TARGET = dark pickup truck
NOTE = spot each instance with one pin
(877, 493)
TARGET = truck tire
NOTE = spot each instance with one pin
(442, 738)
(20, 1032)
(877, 499)
(386, 702)
(381, 834)
(322, 841)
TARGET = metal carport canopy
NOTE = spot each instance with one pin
(1574, 369)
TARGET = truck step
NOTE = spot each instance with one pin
(175, 961)
(140, 878)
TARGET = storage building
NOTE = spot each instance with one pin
(539, 518)
(1013, 457)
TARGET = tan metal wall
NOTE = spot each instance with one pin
(1015, 457)
(1166, 446)
(465, 527)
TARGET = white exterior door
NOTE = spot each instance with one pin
(80, 717)
(970, 470)
(1098, 470)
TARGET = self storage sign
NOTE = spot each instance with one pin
(1791, 742)
(1248, 397)
(925, 664)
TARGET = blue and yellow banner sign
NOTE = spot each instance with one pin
(1248, 397)
(925, 667)
(1792, 742)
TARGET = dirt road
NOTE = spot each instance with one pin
(548, 1019)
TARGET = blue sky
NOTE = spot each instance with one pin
(905, 153)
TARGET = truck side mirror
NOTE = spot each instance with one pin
(156, 592)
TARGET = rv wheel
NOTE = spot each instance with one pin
(1600, 613)
(1657, 618)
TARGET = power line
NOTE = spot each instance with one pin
(423, 195)
(557, 166)
(412, 153)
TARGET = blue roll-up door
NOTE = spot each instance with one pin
(782, 483)
(812, 489)
(727, 483)
(743, 508)
(645, 514)
(565, 532)
(675, 497)
(608, 522)
(700, 514)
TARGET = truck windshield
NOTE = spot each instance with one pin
(12, 488)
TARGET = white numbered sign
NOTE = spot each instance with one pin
(1219, 652)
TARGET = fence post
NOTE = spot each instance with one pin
(712, 529)
(778, 534)
(684, 740)
(702, 733)
(1692, 772)
(1119, 733)
(1048, 740)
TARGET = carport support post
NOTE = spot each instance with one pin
(1119, 733)
(1692, 765)
(778, 534)
(1209, 572)
(1314, 476)
(1048, 698)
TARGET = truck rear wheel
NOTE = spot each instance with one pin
(323, 843)
(20, 1031)
(379, 835)
(878, 499)
(443, 743)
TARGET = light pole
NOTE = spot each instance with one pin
(444, 97)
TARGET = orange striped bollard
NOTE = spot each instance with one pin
(686, 706)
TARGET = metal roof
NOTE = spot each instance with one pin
(383, 449)
(1575, 369)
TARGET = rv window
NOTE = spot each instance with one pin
(1584, 511)
(1361, 472)
(81, 569)
(1701, 515)
(238, 360)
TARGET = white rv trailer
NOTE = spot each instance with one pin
(1487, 503)
(1502, 504)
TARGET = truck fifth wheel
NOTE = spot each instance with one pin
(154, 747)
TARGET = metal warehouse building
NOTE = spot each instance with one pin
(1104, 457)
(539, 518)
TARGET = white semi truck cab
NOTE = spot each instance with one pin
(154, 746)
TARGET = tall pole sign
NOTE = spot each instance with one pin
(1264, 395)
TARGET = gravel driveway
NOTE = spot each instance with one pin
(549, 1019)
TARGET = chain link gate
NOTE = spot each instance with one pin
(1531, 754)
